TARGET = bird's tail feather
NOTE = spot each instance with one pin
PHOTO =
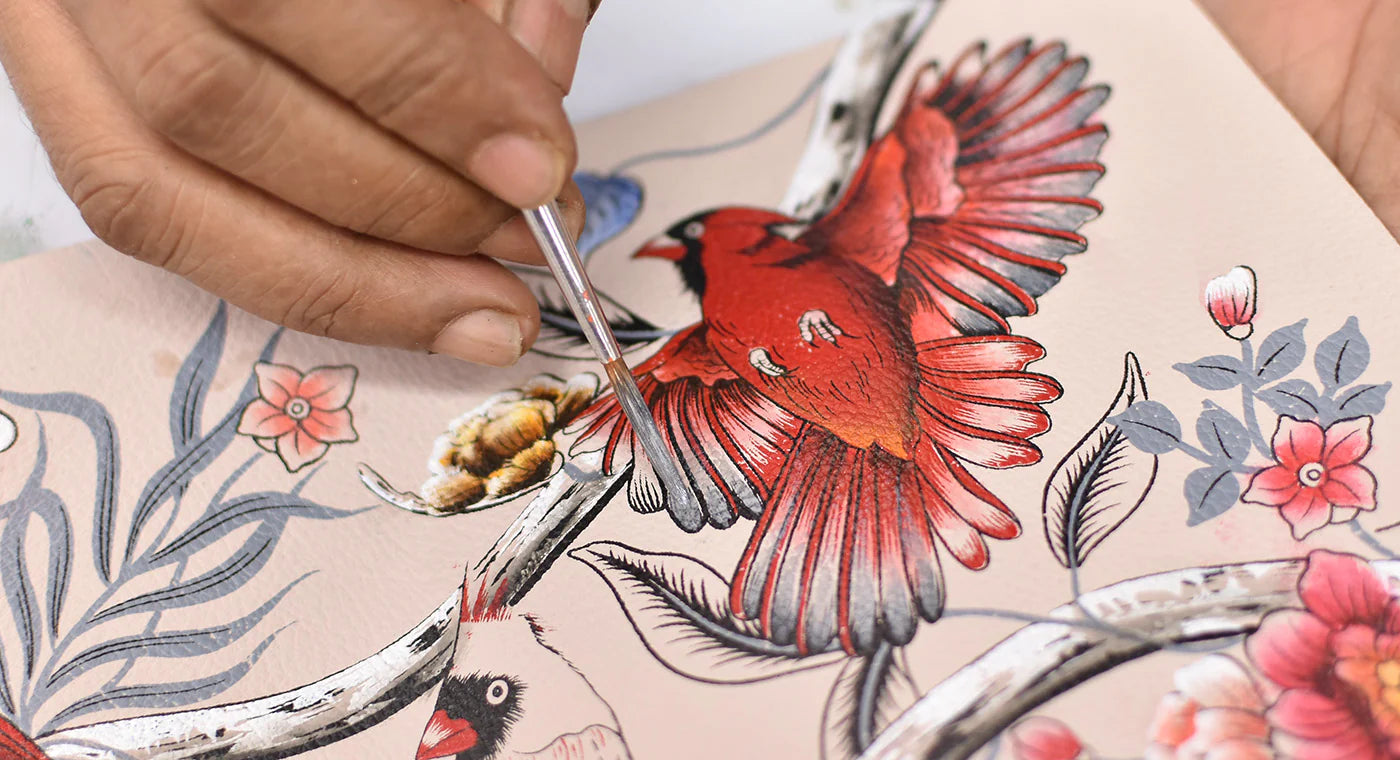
(844, 554)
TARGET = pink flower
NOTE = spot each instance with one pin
(299, 416)
(1318, 478)
(1338, 661)
(1216, 713)
(1038, 738)
(1230, 298)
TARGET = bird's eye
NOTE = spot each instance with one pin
(497, 692)
(694, 230)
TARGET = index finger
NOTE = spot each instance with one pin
(442, 75)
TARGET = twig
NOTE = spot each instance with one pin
(1036, 663)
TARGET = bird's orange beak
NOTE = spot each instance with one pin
(662, 247)
(446, 737)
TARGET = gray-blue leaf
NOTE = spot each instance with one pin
(49, 507)
(1150, 426)
(1295, 398)
(168, 644)
(1223, 435)
(19, 590)
(1210, 492)
(227, 517)
(1214, 373)
(171, 480)
(610, 205)
(107, 458)
(1342, 356)
(159, 696)
(223, 580)
(193, 379)
(1282, 352)
(7, 702)
(1362, 400)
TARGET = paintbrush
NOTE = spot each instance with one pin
(564, 261)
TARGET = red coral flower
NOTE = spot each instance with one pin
(1318, 478)
(1338, 661)
(299, 416)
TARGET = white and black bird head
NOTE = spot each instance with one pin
(511, 696)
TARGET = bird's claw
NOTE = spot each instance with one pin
(816, 324)
(764, 363)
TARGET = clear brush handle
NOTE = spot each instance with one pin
(548, 228)
(558, 247)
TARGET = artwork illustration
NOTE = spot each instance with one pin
(892, 552)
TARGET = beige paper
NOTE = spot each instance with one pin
(1204, 172)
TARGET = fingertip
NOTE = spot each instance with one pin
(523, 171)
(513, 240)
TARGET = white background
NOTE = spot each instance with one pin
(636, 51)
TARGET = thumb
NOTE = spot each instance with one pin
(162, 206)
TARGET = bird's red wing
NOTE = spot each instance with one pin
(14, 745)
(974, 196)
(729, 439)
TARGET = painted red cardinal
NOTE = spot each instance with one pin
(843, 376)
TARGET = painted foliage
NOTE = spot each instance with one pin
(865, 359)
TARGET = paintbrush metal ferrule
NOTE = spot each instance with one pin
(554, 241)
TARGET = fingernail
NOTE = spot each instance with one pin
(519, 170)
(514, 242)
(485, 336)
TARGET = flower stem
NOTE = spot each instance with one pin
(1251, 419)
(1374, 543)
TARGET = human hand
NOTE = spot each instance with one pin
(344, 168)
(1336, 66)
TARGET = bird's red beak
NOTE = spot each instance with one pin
(445, 737)
(662, 247)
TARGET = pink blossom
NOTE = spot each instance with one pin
(1318, 478)
(1230, 298)
(1039, 738)
(298, 416)
(1338, 661)
(1216, 713)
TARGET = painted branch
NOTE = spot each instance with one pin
(850, 105)
(956, 717)
(279, 725)
(369, 691)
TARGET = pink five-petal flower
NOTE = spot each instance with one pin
(1318, 478)
(1230, 299)
(1338, 660)
(1217, 711)
(299, 416)
(1039, 738)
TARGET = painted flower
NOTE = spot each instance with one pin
(1338, 661)
(1318, 478)
(1040, 738)
(299, 416)
(1230, 298)
(1216, 713)
(490, 454)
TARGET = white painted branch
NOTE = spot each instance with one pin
(850, 103)
(956, 717)
(369, 691)
(283, 724)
